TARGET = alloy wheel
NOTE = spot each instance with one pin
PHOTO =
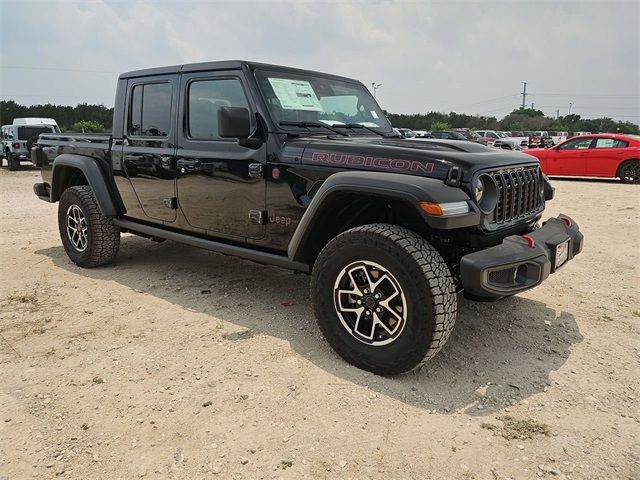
(370, 303)
(77, 229)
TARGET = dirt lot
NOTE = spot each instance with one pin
(180, 363)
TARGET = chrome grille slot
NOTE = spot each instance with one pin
(518, 193)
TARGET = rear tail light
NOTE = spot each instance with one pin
(16, 145)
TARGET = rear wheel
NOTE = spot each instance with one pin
(629, 171)
(384, 298)
(12, 162)
(89, 238)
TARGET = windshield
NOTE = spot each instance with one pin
(25, 133)
(293, 97)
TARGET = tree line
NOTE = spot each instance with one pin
(90, 117)
(98, 118)
(521, 119)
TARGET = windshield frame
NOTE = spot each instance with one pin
(263, 73)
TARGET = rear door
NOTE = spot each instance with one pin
(217, 192)
(604, 156)
(149, 146)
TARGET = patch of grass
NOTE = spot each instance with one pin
(517, 429)
(527, 428)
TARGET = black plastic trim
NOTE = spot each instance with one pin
(383, 184)
(216, 246)
(515, 251)
(95, 177)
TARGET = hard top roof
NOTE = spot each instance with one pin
(223, 65)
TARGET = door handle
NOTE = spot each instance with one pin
(185, 165)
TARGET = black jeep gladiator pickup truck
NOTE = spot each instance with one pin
(302, 170)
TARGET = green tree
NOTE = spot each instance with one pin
(439, 125)
(87, 126)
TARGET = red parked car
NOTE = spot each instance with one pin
(600, 155)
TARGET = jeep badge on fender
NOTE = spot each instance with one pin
(314, 179)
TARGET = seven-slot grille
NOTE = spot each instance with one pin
(519, 193)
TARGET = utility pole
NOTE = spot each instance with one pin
(375, 87)
(524, 95)
(532, 106)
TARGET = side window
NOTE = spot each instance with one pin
(150, 114)
(579, 144)
(610, 143)
(205, 97)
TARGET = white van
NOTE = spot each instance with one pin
(17, 138)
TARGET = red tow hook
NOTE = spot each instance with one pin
(530, 241)
(566, 220)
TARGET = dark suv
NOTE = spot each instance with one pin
(302, 170)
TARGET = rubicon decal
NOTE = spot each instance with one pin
(396, 164)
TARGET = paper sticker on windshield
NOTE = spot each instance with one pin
(374, 114)
(295, 94)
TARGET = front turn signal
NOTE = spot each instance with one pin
(444, 209)
(432, 208)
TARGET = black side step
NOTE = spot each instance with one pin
(234, 250)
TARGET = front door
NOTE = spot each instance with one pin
(571, 156)
(148, 153)
(216, 191)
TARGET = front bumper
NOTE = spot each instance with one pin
(520, 262)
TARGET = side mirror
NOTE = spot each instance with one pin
(234, 122)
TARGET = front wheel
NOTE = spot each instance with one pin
(89, 238)
(629, 171)
(384, 298)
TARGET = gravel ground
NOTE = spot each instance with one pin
(180, 363)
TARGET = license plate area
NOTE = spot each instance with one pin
(561, 254)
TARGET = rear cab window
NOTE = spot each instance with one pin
(150, 111)
(28, 131)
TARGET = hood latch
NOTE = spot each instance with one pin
(454, 177)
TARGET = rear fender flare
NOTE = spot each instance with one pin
(413, 189)
(91, 170)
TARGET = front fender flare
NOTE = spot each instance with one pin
(413, 189)
(95, 178)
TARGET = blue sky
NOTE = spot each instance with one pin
(445, 56)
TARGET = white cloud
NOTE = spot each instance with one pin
(459, 56)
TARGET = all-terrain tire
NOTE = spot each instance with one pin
(101, 236)
(629, 171)
(424, 280)
(13, 162)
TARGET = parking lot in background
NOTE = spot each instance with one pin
(175, 362)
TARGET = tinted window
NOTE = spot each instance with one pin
(610, 143)
(25, 133)
(151, 110)
(205, 99)
(579, 144)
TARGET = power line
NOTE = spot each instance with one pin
(613, 95)
(59, 69)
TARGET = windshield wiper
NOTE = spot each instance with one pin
(307, 124)
(359, 125)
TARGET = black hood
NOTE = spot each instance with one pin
(423, 157)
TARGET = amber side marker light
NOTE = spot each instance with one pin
(432, 208)
(444, 209)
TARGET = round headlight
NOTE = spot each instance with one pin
(478, 189)
(485, 192)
